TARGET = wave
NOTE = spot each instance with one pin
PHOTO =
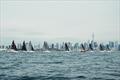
(100, 78)
(3, 77)
(54, 62)
(113, 74)
(11, 50)
(47, 51)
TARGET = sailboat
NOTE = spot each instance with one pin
(45, 47)
(66, 47)
(82, 48)
(13, 46)
(101, 47)
(108, 48)
(91, 47)
(24, 46)
(29, 46)
(119, 47)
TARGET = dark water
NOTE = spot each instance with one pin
(59, 65)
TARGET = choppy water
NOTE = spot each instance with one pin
(59, 65)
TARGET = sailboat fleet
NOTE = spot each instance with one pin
(65, 46)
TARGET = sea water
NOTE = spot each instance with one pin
(56, 65)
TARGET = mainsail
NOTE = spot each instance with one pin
(13, 45)
(66, 47)
(24, 46)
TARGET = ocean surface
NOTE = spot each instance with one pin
(56, 65)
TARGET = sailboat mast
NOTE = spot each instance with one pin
(93, 37)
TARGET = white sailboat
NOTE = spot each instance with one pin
(29, 47)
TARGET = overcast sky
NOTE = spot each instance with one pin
(59, 20)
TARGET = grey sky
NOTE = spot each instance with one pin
(59, 20)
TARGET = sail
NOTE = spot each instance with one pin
(13, 45)
(45, 45)
(101, 47)
(66, 47)
(30, 46)
(90, 47)
(119, 47)
(107, 47)
(82, 46)
(24, 46)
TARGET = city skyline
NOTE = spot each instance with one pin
(59, 21)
